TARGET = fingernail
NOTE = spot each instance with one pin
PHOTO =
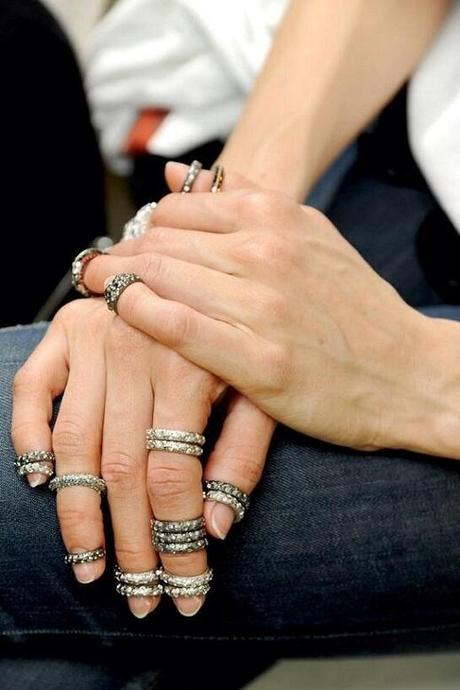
(36, 478)
(222, 518)
(141, 606)
(85, 572)
(108, 280)
(189, 606)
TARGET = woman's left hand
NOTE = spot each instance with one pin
(269, 296)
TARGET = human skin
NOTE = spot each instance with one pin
(283, 141)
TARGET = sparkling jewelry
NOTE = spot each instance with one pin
(78, 269)
(176, 435)
(179, 537)
(190, 178)
(221, 497)
(117, 286)
(189, 547)
(138, 225)
(41, 461)
(147, 577)
(174, 592)
(85, 556)
(91, 481)
(174, 447)
(218, 179)
(227, 488)
(178, 525)
(186, 580)
(139, 590)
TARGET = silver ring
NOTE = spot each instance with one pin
(176, 435)
(78, 268)
(186, 580)
(218, 180)
(179, 537)
(189, 547)
(227, 488)
(177, 525)
(174, 592)
(85, 556)
(139, 590)
(174, 447)
(221, 497)
(91, 481)
(41, 461)
(138, 225)
(190, 178)
(117, 286)
(147, 577)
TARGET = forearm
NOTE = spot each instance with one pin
(332, 68)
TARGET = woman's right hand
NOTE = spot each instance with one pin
(117, 382)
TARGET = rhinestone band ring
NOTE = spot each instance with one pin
(178, 525)
(91, 481)
(78, 268)
(139, 590)
(176, 435)
(41, 461)
(226, 499)
(138, 225)
(117, 286)
(228, 494)
(188, 547)
(181, 536)
(186, 586)
(190, 178)
(85, 556)
(147, 577)
(174, 447)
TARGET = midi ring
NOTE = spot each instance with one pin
(174, 447)
(139, 590)
(79, 265)
(190, 178)
(140, 584)
(228, 494)
(117, 286)
(179, 536)
(218, 179)
(138, 225)
(91, 481)
(186, 586)
(192, 437)
(41, 461)
(188, 547)
(85, 556)
(178, 525)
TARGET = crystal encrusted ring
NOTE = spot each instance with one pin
(117, 286)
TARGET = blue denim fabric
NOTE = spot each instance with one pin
(337, 544)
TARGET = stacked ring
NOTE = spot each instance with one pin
(91, 481)
(117, 286)
(186, 585)
(229, 494)
(181, 536)
(78, 268)
(85, 556)
(138, 225)
(175, 441)
(190, 178)
(140, 584)
(36, 461)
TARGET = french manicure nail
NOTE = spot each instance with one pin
(36, 478)
(222, 518)
(140, 606)
(189, 606)
(85, 572)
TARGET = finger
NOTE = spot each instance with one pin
(229, 352)
(174, 479)
(41, 379)
(216, 213)
(175, 174)
(77, 444)
(128, 413)
(205, 249)
(238, 458)
(225, 297)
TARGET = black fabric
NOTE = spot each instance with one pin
(52, 201)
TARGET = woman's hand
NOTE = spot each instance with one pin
(117, 382)
(268, 296)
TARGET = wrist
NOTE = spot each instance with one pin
(425, 414)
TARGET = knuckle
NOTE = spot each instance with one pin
(74, 516)
(178, 325)
(129, 552)
(245, 465)
(260, 203)
(70, 439)
(276, 360)
(270, 304)
(171, 481)
(120, 471)
(150, 265)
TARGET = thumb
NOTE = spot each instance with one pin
(175, 175)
